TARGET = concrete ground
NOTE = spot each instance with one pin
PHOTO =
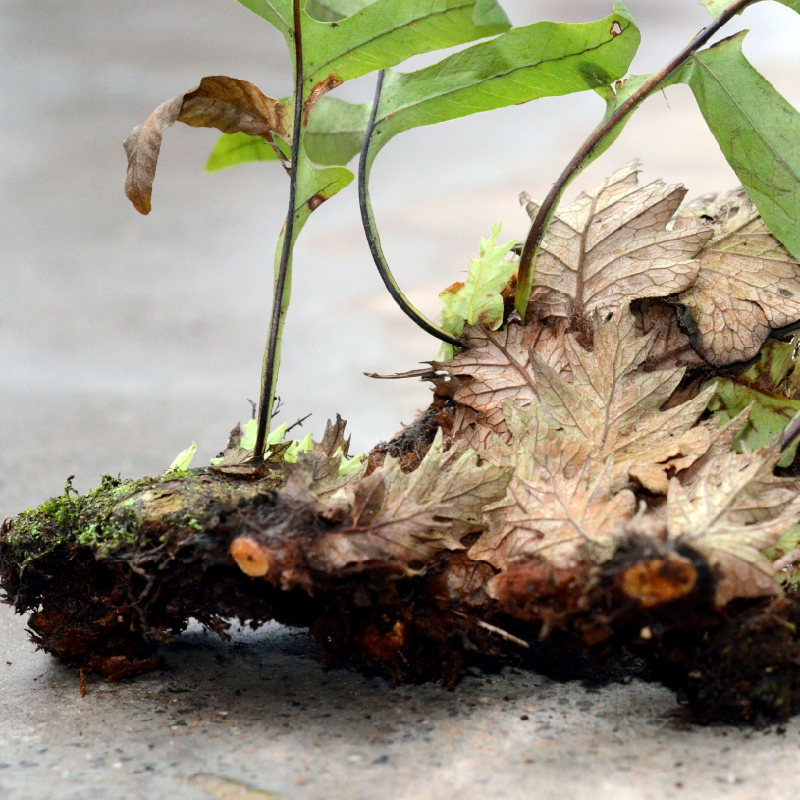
(123, 339)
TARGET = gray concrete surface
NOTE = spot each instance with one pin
(123, 338)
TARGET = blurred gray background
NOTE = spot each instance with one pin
(125, 338)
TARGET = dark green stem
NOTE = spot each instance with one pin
(542, 219)
(271, 363)
(371, 231)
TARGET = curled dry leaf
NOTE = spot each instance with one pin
(614, 405)
(612, 246)
(732, 509)
(229, 104)
(748, 283)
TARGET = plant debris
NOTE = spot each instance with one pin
(582, 492)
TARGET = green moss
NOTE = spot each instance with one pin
(125, 515)
(93, 519)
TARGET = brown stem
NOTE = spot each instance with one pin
(541, 221)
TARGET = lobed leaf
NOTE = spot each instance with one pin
(615, 406)
(411, 517)
(561, 504)
(495, 367)
(747, 285)
(612, 246)
(732, 510)
(479, 298)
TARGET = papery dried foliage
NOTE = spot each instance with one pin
(748, 284)
(671, 346)
(613, 245)
(408, 518)
(731, 510)
(228, 104)
(494, 367)
(561, 504)
(614, 405)
(586, 392)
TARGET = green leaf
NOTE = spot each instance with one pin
(238, 148)
(333, 137)
(770, 387)
(349, 466)
(315, 185)
(334, 10)
(757, 130)
(479, 298)
(298, 446)
(183, 460)
(335, 131)
(352, 37)
(717, 7)
(541, 60)
(276, 12)
(387, 32)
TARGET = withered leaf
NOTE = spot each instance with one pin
(671, 346)
(229, 104)
(614, 405)
(748, 283)
(322, 475)
(732, 509)
(493, 368)
(560, 505)
(612, 246)
(409, 517)
(333, 439)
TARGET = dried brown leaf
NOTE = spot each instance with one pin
(560, 505)
(333, 439)
(321, 474)
(612, 246)
(748, 283)
(732, 509)
(614, 405)
(671, 345)
(409, 517)
(493, 368)
(229, 104)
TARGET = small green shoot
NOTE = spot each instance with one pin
(479, 298)
(182, 461)
(296, 447)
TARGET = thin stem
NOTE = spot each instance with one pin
(541, 221)
(790, 433)
(371, 231)
(271, 363)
